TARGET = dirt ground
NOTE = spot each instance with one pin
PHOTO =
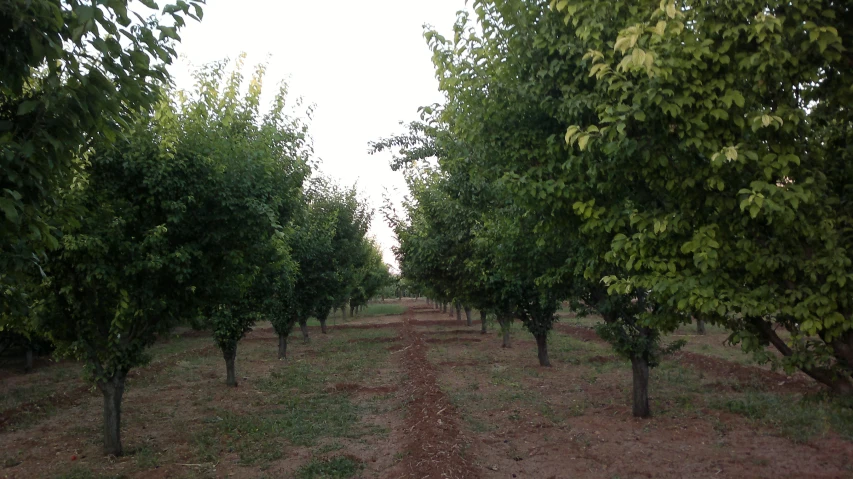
(421, 395)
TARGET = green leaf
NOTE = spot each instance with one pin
(27, 107)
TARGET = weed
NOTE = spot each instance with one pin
(799, 420)
(337, 467)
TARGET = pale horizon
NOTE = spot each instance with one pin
(365, 67)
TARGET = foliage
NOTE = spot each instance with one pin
(73, 75)
(728, 128)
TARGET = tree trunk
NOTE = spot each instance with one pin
(344, 312)
(640, 367)
(458, 313)
(230, 358)
(840, 385)
(282, 346)
(323, 326)
(700, 326)
(505, 322)
(112, 389)
(468, 316)
(542, 346)
(483, 328)
(303, 325)
(29, 360)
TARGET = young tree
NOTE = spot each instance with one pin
(261, 162)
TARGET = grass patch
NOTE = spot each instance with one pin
(798, 419)
(80, 472)
(372, 309)
(340, 467)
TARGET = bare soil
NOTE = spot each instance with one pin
(434, 403)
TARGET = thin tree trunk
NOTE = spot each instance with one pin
(443, 307)
(282, 346)
(468, 316)
(506, 339)
(230, 358)
(344, 312)
(700, 326)
(323, 326)
(640, 367)
(458, 313)
(29, 360)
(112, 389)
(505, 323)
(303, 325)
(542, 346)
(483, 327)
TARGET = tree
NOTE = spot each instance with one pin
(124, 273)
(260, 163)
(372, 276)
(512, 91)
(730, 126)
(73, 75)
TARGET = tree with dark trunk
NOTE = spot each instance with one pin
(640, 369)
(458, 312)
(468, 320)
(303, 326)
(483, 323)
(282, 346)
(230, 324)
(113, 389)
(700, 326)
(230, 355)
(505, 322)
(542, 349)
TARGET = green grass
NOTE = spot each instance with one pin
(798, 419)
(340, 467)
(297, 407)
(372, 309)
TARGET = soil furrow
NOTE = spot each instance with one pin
(435, 444)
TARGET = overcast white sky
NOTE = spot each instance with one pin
(364, 64)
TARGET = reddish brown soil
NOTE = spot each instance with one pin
(373, 340)
(747, 374)
(743, 374)
(454, 331)
(72, 397)
(452, 340)
(512, 418)
(62, 400)
(356, 388)
(435, 445)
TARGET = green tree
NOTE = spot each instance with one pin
(261, 162)
(512, 91)
(73, 74)
(720, 135)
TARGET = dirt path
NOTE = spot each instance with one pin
(435, 445)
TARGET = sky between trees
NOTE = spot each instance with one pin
(364, 65)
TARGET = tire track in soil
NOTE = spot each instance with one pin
(435, 443)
